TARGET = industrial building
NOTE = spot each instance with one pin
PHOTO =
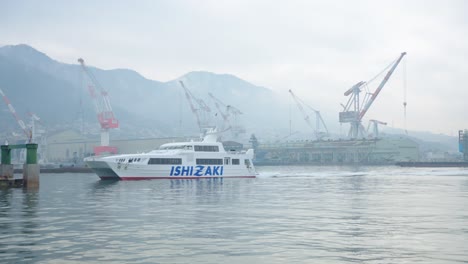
(70, 146)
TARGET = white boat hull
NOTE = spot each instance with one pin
(102, 170)
(180, 172)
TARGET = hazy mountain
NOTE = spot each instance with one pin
(56, 92)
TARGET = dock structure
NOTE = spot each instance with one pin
(30, 168)
(386, 151)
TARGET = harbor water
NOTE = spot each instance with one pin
(286, 215)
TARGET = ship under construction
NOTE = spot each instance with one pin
(360, 147)
(379, 151)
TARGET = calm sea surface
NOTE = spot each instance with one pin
(286, 215)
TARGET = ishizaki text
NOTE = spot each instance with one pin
(196, 170)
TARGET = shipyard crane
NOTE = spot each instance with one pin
(228, 112)
(375, 127)
(356, 108)
(27, 132)
(201, 111)
(319, 134)
(103, 109)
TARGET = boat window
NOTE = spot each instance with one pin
(209, 162)
(235, 162)
(207, 148)
(226, 161)
(165, 161)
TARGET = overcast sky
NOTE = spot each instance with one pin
(317, 48)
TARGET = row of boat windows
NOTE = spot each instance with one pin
(209, 162)
(130, 160)
(171, 161)
(165, 161)
(197, 148)
(207, 148)
(189, 147)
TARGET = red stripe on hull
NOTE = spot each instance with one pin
(178, 178)
(109, 178)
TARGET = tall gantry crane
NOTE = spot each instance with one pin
(230, 115)
(201, 111)
(319, 133)
(26, 131)
(103, 109)
(356, 108)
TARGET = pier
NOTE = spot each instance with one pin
(31, 170)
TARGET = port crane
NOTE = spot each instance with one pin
(375, 127)
(103, 108)
(319, 134)
(226, 114)
(202, 111)
(27, 132)
(356, 108)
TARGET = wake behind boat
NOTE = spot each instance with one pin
(181, 160)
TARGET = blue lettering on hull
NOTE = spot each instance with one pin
(198, 170)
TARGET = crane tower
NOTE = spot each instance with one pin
(103, 109)
(357, 107)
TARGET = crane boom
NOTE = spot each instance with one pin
(201, 113)
(381, 85)
(318, 117)
(189, 97)
(12, 110)
(218, 105)
(101, 100)
(227, 114)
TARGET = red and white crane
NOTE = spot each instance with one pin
(201, 111)
(103, 110)
(27, 132)
(319, 134)
(355, 109)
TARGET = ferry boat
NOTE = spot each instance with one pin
(181, 160)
